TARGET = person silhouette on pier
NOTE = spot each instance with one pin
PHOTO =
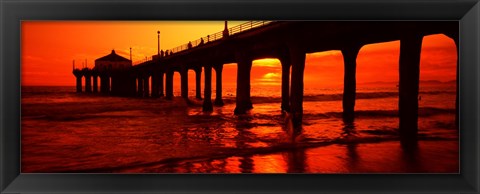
(189, 45)
(201, 41)
(161, 53)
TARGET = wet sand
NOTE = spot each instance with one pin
(381, 157)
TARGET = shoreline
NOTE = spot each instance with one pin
(281, 149)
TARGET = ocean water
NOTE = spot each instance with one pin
(64, 131)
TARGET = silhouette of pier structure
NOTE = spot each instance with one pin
(287, 41)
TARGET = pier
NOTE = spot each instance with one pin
(288, 41)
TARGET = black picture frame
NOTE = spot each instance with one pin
(12, 12)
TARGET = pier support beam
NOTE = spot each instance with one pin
(184, 82)
(105, 84)
(155, 85)
(410, 49)
(207, 99)
(349, 82)
(146, 86)
(243, 101)
(160, 85)
(88, 82)
(218, 79)
(297, 58)
(198, 83)
(79, 82)
(140, 87)
(95, 83)
(285, 83)
(169, 85)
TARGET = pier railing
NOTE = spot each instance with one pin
(142, 61)
(210, 38)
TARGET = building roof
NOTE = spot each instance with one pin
(112, 57)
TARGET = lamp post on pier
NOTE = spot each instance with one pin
(158, 48)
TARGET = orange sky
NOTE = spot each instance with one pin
(48, 49)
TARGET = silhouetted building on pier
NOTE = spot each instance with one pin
(113, 72)
(112, 62)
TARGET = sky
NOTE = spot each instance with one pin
(48, 49)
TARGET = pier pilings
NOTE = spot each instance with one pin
(207, 99)
(409, 73)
